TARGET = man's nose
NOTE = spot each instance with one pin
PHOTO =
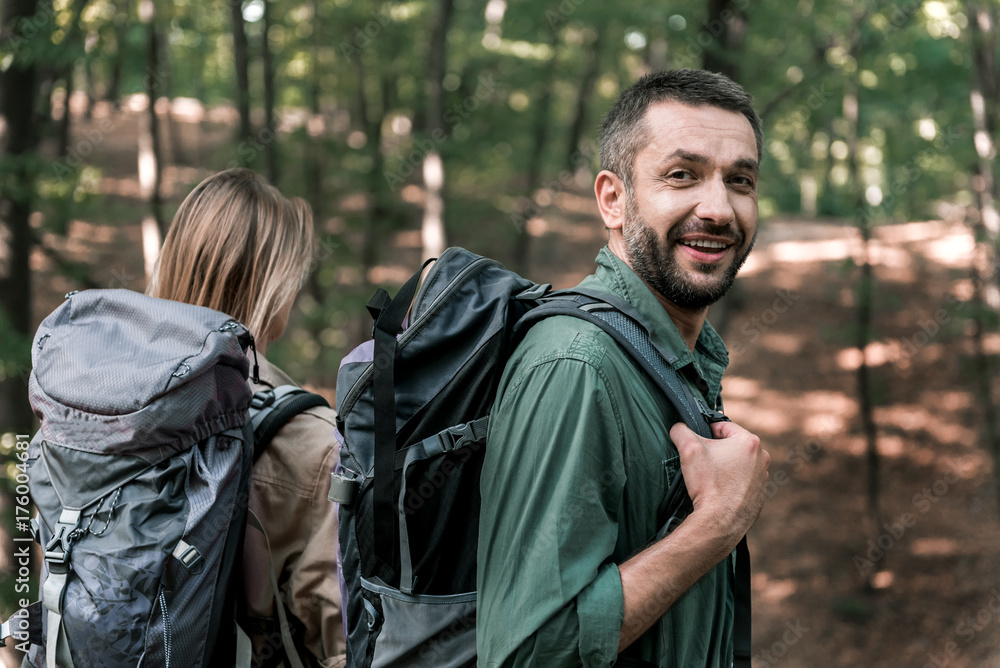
(714, 205)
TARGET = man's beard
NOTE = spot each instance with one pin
(656, 265)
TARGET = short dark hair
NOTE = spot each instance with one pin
(624, 130)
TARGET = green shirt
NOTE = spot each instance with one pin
(578, 459)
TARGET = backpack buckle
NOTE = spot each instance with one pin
(453, 438)
(712, 416)
(189, 556)
(262, 399)
(57, 549)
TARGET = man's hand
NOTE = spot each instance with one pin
(724, 477)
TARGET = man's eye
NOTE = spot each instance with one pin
(681, 175)
(743, 181)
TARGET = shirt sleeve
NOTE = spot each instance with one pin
(549, 593)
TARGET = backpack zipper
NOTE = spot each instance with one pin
(167, 632)
(410, 332)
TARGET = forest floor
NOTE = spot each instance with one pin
(933, 560)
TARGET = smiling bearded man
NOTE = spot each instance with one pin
(651, 261)
(583, 445)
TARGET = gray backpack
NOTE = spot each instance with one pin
(140, 474)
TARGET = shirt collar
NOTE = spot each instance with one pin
(710, 357)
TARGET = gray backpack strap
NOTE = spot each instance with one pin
(286, 632)
(25, 625)
(270, 410)
(57, 654)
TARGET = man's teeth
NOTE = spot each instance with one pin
(704, 244)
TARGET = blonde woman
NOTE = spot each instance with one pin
(238, 246)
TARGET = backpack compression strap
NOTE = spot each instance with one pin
(389, 314)
(625, 325)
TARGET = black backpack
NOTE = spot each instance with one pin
(412, 416)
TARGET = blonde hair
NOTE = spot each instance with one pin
(236, 245)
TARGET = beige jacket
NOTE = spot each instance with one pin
(288, 493)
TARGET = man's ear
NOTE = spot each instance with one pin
(610, 192)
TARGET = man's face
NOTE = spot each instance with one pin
(691, 219)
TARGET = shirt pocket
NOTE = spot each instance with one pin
(671, 467)
(676, 510)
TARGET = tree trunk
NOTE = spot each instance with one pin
(153, 225)
(88, 73)
(983, 313)
(727, 25)
(113, 92)
(432, 232)
(863, 324)
(314, 144)
(315, 149)
(241, 60)
(72, 52)
(985, 99)
(271, 143)
(17, 108)
(585, 92)
(65, 123)
(372, 120)
(166, 90)
(540, 133)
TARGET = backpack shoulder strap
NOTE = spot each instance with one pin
(287, 642)
(270, 410)
(626, 326)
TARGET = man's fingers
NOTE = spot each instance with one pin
(683, 438)
(725, 429)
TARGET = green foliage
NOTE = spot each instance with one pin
(363, 65)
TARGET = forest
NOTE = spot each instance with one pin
(863, 331)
